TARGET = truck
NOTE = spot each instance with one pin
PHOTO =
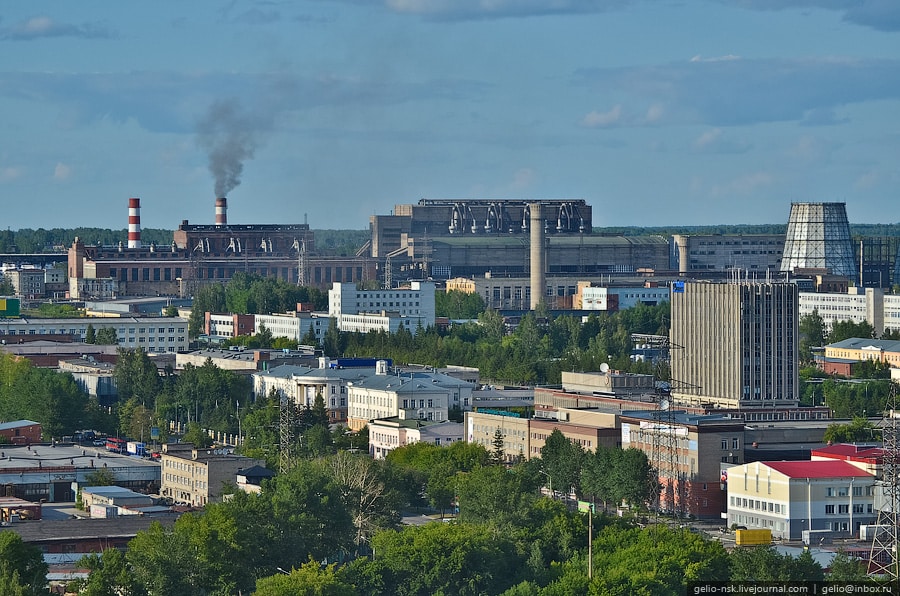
(137, 448)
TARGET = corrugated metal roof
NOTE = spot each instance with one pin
(817, 469)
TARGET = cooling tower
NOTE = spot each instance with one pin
(134, 223)
(818, 237)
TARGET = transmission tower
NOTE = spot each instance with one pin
(301, 263)
(287, 421)
(883, 558)
(388, 273)
(668, 442)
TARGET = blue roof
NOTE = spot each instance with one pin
(861, 343)
(18, 424)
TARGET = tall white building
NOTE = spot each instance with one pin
(857, 305)
(366, 310)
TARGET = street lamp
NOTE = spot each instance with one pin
(550, 478)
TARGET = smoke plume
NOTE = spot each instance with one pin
(229, 138)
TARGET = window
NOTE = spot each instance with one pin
(843, 509)
(829, 509)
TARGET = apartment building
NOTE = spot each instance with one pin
(196, 476)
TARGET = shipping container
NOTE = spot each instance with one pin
(752, 537)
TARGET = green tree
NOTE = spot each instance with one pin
(812, 335)
(310, 579)
(332, 343)
(196, 436)
(90, 336)
(108, 575)
(764, 563)
(107, 337)
(21, 564)
(845, 568)
(858, 430)
(498, 454)
(561, 459)
(841, 330)
(100, 477)
(459, 559)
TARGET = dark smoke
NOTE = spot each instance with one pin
(229, 138)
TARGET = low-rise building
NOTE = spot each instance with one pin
(95, 378)
(196, 476)
(53, 472)
(383, 395)
(113, 496)
(387, 434)
(793, 497)
(152, 334)
(21, 432)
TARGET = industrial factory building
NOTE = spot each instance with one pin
(202, 254)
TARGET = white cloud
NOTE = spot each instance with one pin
(699, 58)
(867, 181)
(742, 91)
(654, 113)
(43, 26)
(495, 9)
(10, 173)
(603, 119)
(715, 141)
(742, 185)
(62, 171)
(523, 179)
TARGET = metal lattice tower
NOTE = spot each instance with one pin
(883, 558)
(388, 273)
(665, 438)
(818, 237)
(286, 423)
(301, 264)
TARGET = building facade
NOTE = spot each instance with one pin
(698, 254)
(790, 497)
(152, 334)
(196, 476)
(413, 306)
(736, 344)
(387, 434)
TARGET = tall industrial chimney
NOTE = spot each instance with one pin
(221, 208)
(538, 280)
(134, 223)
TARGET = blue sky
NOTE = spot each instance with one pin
(654, 112)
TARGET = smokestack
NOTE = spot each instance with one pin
(538, 281)
(134, 223)
(221, 208)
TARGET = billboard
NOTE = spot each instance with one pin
(9, 307)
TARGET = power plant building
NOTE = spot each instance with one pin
(204, 254)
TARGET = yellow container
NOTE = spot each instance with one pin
(752, 537)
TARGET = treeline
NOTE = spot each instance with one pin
(247, 293)
(536, 352)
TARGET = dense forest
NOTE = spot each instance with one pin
(347, 242)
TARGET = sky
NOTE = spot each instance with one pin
(655, 112)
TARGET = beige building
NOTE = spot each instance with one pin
(736, 344)
(481, 427)
(384, 395)
(830, 497)
(387, 434)
(196, 476)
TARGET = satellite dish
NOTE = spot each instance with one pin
(604, 368)
(663, 404)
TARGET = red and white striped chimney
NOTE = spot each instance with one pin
(134, 223)
(221, 208)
